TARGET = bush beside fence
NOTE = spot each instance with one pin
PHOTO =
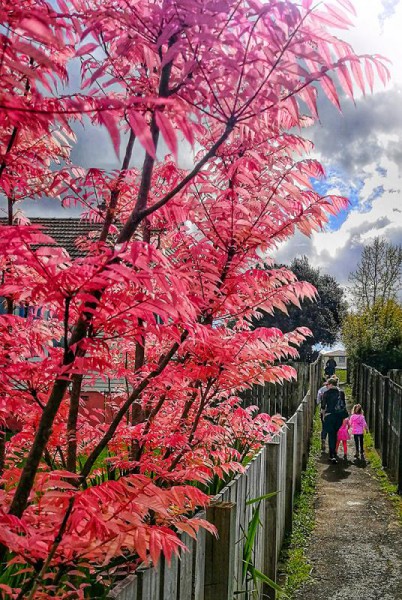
(213, 569)
(381, 399)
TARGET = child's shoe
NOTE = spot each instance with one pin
(345, 457)
(362, 456)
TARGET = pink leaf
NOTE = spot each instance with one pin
(369, 73)
(358, 74)
(330, 90)
(86, 49)
(109, 121)
(345, 80)
(169, 134)
(348, 6)
(142, 131)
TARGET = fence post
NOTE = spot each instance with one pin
(385, 426)
(290, 444)
(127, 589)
(220, 553)
(400, 448)
(299, 447)
(271, 513)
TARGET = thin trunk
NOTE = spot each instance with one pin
(2, 449)
(137, 412)
(10, 310)
(72, 423)
(39, 578)
(164, 361)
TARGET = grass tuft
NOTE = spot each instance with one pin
(296, 567)
(389, 488)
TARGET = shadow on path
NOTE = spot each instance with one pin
(355, 550)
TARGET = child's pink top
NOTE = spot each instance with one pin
(358, 424)
(343, 431)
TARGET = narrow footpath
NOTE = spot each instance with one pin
(356, 546)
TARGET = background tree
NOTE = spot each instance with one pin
(374, 336)
(377, 278)
(322, 315)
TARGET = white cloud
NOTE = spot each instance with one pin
(362, 151)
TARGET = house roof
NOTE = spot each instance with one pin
(65, 231)
(339, 352)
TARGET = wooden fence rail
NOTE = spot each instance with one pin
(213, 568)
(381, 399)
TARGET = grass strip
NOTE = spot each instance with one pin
(296, 569)
(390, 489)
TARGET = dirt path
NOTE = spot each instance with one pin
(356, 546)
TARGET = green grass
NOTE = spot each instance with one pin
(389, 488)
(297, 568)
(341, 373)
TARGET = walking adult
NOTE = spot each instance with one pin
(333, 405)
(330, 367)
(320, 395)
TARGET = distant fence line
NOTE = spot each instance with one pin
(212, 569)
(396, 376)
(280, 399)
(381, 399)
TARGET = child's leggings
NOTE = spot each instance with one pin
(359, 442)
(345, 446)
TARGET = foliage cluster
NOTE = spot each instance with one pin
(374, 336)
(150, 297)
(323, 316)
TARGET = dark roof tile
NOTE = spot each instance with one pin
(65, 231)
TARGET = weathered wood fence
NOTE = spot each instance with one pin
(213, 569)
(280, 399)
(381, 399)
(396, 375)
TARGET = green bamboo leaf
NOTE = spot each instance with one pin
(265, 497)
(262, 577)
(250, 539)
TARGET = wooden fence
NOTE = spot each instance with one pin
(280, 399)
(381, 398)
(213, 569)
(396, 375)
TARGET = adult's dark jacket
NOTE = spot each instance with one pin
(330, 399)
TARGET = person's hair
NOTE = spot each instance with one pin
(333, 380)
(357, 409)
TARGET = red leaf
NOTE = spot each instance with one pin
(38, 28)
(330, 90)
(86, 49)
(142, 131)
(169, 134)
(108, 119)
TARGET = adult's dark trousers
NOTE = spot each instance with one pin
(332, 423)
(323, 430)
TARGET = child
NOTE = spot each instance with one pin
(359, 426)
(343, 436)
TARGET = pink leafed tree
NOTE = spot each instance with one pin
(162, 296)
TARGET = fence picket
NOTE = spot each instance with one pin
(212, 569)
(381, 399)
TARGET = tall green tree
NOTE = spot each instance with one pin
(378, 277)
(323, 316)
(374, 336)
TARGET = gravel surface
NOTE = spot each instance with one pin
(356, 546)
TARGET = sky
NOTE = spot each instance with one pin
(361, 151)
